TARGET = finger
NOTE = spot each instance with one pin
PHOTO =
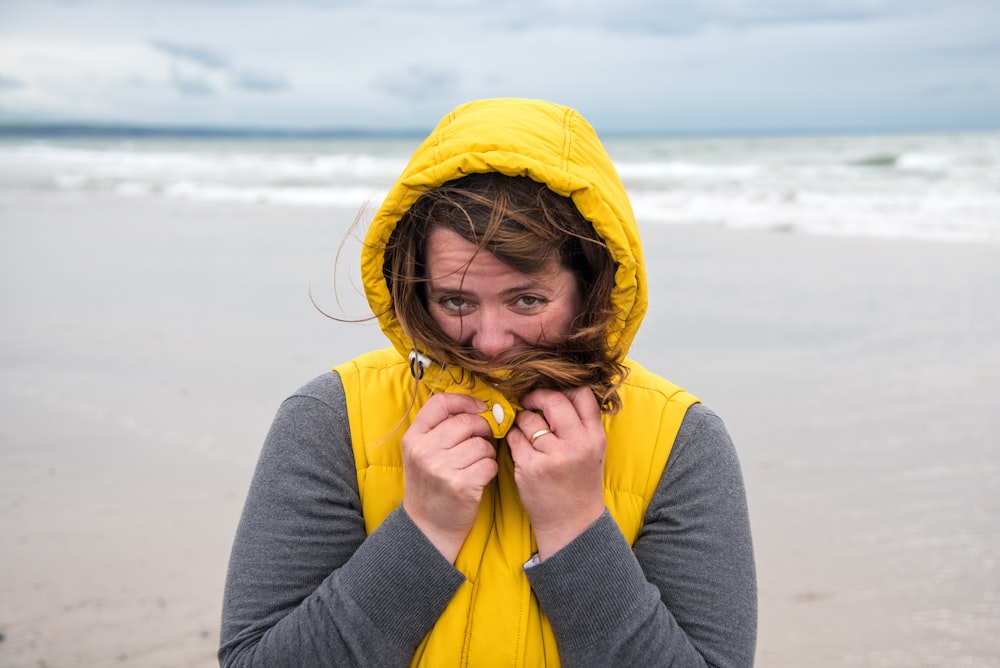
(556, 408)
(442, 406)
(521, 449)
(482, 471)
(586, 406)
(471, 451)
(530, 422)
(456, 429)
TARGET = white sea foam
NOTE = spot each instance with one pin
(212, 163)
(894, 186)
(924, 162)
(289, 196)
(686, 170)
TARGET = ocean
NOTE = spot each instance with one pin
(937, 187)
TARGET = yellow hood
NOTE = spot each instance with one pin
(549, 143)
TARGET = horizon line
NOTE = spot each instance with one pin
(109, 130)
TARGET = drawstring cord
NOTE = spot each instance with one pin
(418, 363)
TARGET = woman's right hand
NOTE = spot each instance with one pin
(447, 461)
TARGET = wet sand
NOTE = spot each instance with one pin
(145, 345)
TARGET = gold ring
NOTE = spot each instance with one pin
(538, 434)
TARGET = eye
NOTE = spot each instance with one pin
(453, 303)
(529, 301)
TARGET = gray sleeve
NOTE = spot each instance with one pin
(685, 594)
(305, 586)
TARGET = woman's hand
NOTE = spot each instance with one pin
(560, 476)
(447, 461)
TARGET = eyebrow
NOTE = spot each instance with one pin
(530, 286)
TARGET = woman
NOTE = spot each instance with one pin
(561, 506)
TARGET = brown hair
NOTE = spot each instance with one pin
(526, 226)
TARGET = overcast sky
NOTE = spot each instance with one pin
(627, 65)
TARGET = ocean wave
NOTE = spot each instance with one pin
(93, 163)
(686, 170)
(926, 186)
(878, 160)
(937, 216)
(924, 162)
(920, 162)
(288, 196)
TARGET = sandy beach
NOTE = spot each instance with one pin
(146, 343)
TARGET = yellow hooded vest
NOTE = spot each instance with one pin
(494, 619)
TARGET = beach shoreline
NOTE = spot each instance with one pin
(148, 343)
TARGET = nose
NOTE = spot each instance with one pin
(492, 335)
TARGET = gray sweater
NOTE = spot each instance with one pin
(308, 587)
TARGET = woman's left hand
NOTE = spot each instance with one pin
(560, 476)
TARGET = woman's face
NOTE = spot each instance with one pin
(483, 304)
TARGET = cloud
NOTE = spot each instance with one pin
(10, 83)
(192, 64)
(197, 55)
(259, 82)
(191, 86)
(963, 48)
(955, 88)
(684, 17)
(417, 83)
